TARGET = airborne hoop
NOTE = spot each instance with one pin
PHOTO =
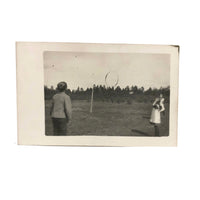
(112, 79)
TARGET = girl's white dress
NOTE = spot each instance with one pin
(155, 114)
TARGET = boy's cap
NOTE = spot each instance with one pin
(62, 85)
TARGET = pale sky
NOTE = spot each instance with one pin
(86, 69)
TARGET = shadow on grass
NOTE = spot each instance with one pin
(146, 116)
(140, 132)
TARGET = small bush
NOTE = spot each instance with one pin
(129, 101)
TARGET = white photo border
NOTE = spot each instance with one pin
(30, 94)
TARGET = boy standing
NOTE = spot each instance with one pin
(61, 110)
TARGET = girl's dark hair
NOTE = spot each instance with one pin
(62, 86)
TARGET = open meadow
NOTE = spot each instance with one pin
(110, 119)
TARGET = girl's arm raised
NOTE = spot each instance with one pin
(162, 105)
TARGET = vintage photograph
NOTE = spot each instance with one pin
(82, 94)
(106, 94)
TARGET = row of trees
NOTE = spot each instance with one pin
(103, 93)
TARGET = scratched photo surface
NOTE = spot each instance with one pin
(106, 94)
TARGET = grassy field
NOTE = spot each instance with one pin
(110, 119)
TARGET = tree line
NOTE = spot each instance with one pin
(111, 94)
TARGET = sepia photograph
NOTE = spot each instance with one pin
(97, 94)
(110, 94)
(100, 97)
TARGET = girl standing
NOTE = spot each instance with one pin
(158, 107)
